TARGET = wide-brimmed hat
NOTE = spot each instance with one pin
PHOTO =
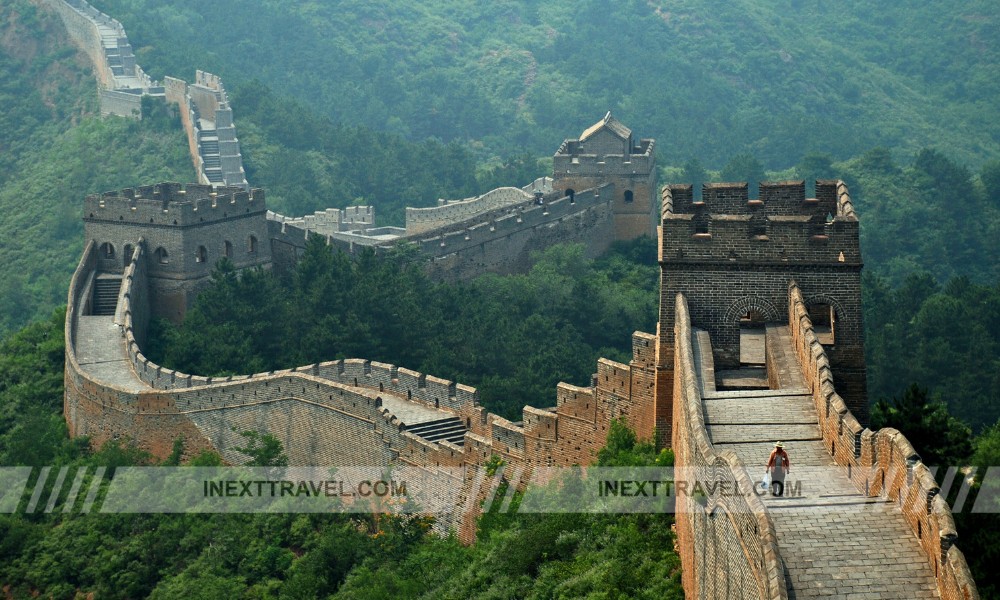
(778, 445)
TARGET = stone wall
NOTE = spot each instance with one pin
(208, 123)
(506, 244)
(881, 464)
(727, 543)
(121, 80)
(332, 411)
(123, 104)
(498, 241)
(451, 212)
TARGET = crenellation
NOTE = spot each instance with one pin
(783, 197)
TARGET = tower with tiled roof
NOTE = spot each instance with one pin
(606, 152)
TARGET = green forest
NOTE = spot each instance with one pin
(783, 78)
(399, 103)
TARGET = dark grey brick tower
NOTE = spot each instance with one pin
(733, 258)
(185, 229)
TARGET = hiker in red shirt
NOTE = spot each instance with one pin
(777, 467)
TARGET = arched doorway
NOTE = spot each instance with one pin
(743, 335)
(127, 254)
(752, 338)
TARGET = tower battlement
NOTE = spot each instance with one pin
(173, 204)
(775, 198)
(783, 227)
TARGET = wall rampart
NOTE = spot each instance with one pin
(775, 199)
(450, 212)
(500, 241)
(80, 21)
(881, 464)
(345, 394)
(121, 79)
(123, 104)
(728, 544)
(173, 205)
(506, 244)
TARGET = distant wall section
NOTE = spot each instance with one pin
(211, 131)
(121, 81)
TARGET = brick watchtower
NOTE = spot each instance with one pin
(733, 258)
(606, 153)
(186, 229)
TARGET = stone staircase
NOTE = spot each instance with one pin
(450, 429)
(105, 300)
(208, 142)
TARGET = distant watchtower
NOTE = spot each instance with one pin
(733, 258)
(607, 153)
(186, 230)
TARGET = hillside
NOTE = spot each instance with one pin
(54, 149)
(708, 78)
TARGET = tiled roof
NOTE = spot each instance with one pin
(614, 125)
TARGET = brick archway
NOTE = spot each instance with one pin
(747, 304)
(824, 312)
(824, 299)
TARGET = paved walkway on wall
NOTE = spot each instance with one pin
(100, 351)
(413, 413)
(834, 541)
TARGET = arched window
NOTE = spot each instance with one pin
(252, 244)
(629, 197)
(229, 249)
(201, 255)
(107, 250)
(129, 251)
(161, 255)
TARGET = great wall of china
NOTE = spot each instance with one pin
(457, 239)
(759, 318)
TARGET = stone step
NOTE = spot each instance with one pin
(757, 393)
(760, 411)
(763, 432)
(450, 429)
(105, 295)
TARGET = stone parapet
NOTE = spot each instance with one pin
(726, 542)
(881, 464)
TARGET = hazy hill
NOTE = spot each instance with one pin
(708, 78)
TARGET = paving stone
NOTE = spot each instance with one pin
(831, 537)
